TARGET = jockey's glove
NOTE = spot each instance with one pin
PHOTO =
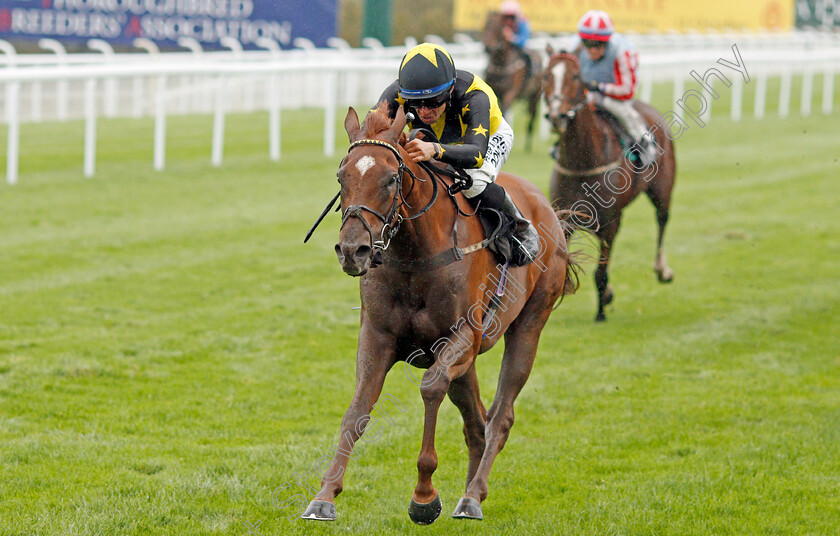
(595, 86)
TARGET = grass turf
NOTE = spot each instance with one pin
(171, 353)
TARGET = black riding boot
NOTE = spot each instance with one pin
(524, 237)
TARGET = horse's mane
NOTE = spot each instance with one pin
(377, 120)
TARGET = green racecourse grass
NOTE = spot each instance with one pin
(171, 353)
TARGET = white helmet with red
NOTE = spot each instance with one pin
(510, 8)
(595, 25)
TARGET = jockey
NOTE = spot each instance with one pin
(462, 111)
(608, 69)
(516, 28)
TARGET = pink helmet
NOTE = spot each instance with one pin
(595, 25)
(510, 8)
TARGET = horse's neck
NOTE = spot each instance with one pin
(584, 143)
(430, 233)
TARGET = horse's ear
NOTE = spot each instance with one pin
(549, 50)
(398, 125)
(351, 125)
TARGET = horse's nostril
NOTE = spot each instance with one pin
(363, 252)
(338, 253)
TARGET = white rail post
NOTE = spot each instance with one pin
(35, 104)
(807, 89)
(110, 83)
(219, 124)
(679, 89)
(760, 95)
(737, 98)
(137, 98)
(90, 127)
(828, 90)
(61, 87)
(160, 124)
(273, 100)
(12, 117)
(331, 95)
(13, 143)
(784, 93)
(200, 82)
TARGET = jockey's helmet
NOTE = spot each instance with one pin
(510, 8)
(595, 25)
(426, 71)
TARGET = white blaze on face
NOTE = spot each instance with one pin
(558, 72)
(365, 163)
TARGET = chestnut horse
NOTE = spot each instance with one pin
(424, 306)
(507, 75)
(591, 174)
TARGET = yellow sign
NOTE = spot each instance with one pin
(555, 16)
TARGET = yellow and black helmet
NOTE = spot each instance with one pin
(426, 71)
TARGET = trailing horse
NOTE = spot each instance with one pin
(593, 174)
(508, 74)
(428, 299)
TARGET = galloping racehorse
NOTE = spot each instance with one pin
(507, 74)
(425, 284)
(591, 174)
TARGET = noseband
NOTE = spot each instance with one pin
(392, 219)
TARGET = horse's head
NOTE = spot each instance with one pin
(371, 181)
(493, 38)
(563, 88)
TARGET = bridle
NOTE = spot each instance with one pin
(562, 120)
(392, 219)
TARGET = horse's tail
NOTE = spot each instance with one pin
(572, 228)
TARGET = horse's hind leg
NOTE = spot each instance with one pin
(659, 193)
(520, 348)
(464, 393)
(602, 281)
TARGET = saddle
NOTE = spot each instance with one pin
(624, 139)
(497, 226)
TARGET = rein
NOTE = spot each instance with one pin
(392, 219)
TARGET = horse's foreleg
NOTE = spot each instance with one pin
(425, 506)
(375, 357)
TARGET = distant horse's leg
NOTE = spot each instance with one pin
(464, 394)
(375, 357)
(659, 193)
(533, 103)
(520, 348)
(605, 293)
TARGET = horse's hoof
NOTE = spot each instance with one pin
(665, 276)
(468, 508)
(320, 511)
(425, 513)
(600, 317)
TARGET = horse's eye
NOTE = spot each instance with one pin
(392, 180)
